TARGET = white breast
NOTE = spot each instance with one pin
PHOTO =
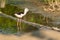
(19, 16)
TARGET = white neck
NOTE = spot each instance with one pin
(26, 10)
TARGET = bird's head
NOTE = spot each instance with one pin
(26, 10)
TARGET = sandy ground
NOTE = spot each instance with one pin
(28, 36)
(51, 34)
(14, 37)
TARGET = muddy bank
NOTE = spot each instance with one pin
(36, 35)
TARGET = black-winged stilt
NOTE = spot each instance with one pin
(19, 15)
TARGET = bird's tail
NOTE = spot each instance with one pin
(26, 10)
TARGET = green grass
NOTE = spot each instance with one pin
(9, 25)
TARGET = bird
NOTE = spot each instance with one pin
(20, 15)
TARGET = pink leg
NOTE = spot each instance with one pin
(18, 25)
